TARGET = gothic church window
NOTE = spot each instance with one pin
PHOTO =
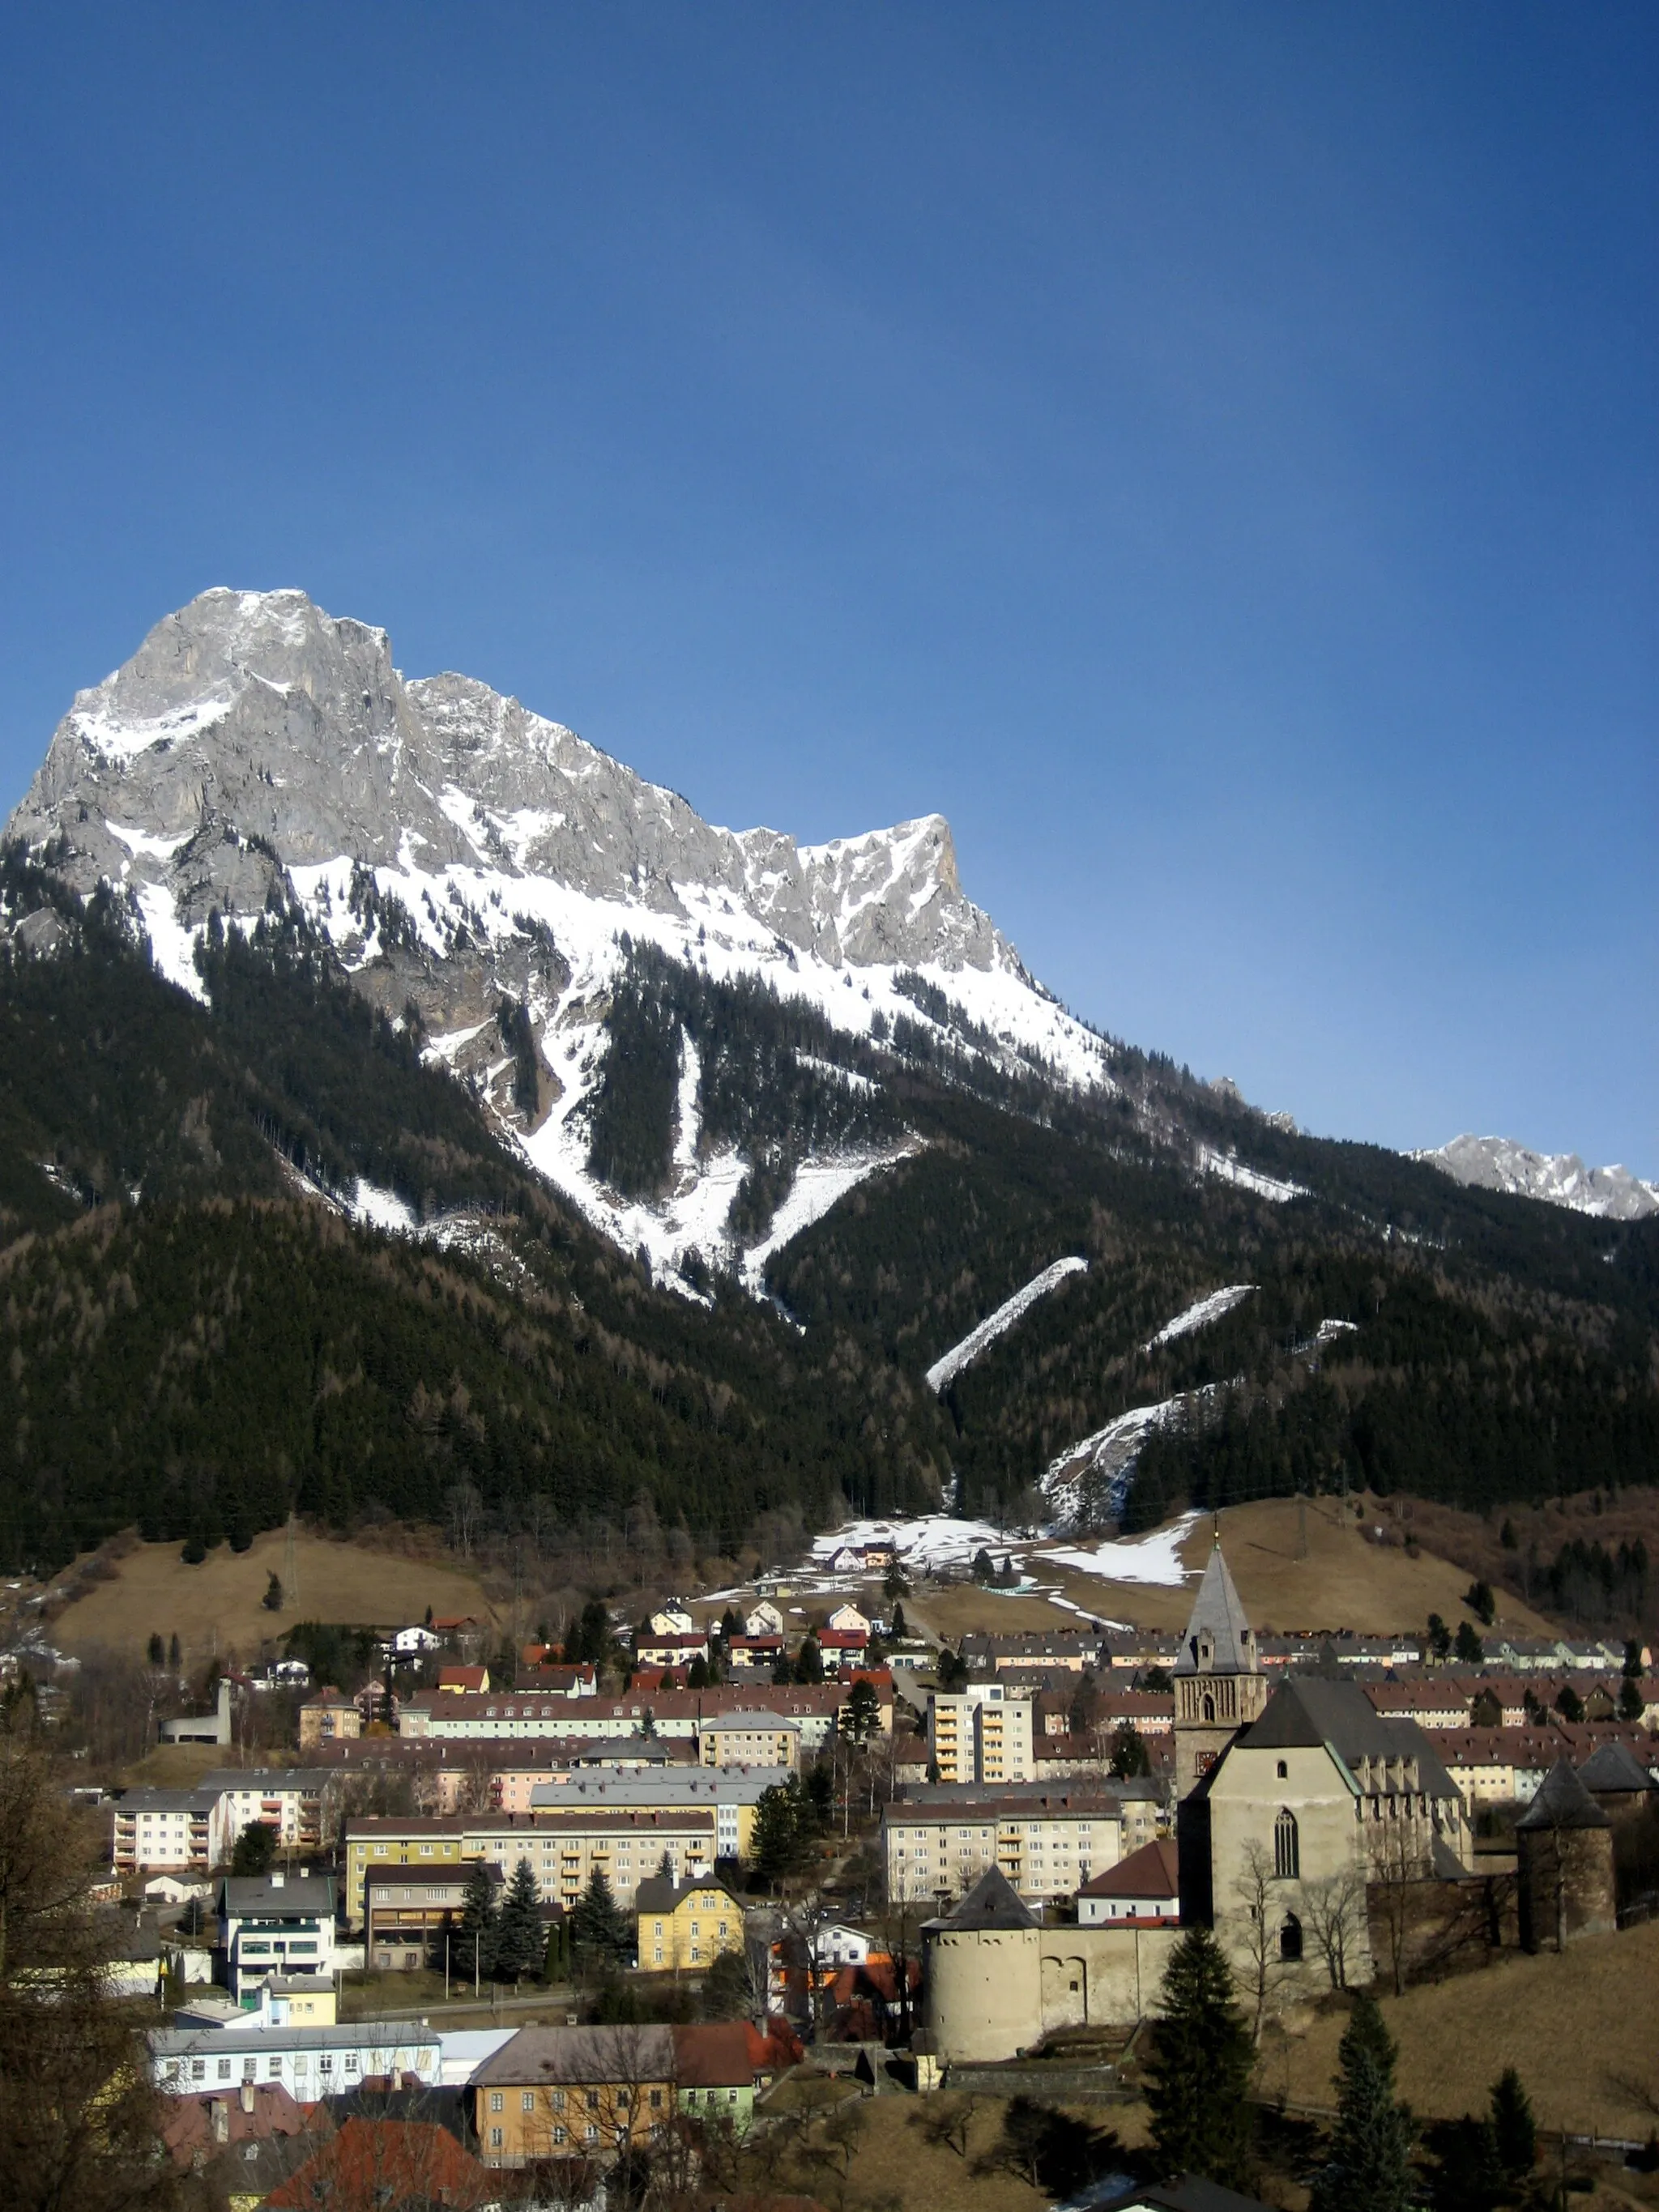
(1290, 1938)
(1287, 1847)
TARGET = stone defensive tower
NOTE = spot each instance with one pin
(1218, 1683)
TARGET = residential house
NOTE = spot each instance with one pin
(847, 1619)
(243, 2140)
(414, 1643)
(671, 1620)
(496, 1715)
(272, 1924)
(1143, 1890)
(764, 1620)
(673, 1647)
(569, 2092)
(843, 1647)
(685, 1924)
(758, 1652)
(328, 1718)
(454, 1680)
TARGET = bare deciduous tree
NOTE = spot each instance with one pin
(1334, 1909)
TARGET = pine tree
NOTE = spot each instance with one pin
(1515, 2133)
(1199, 2067)
(158, 1652)
(519, 1929)
(475, 1947)
(900, 1626)
(599, 1931)
(809, 1662)
(1370, 2167)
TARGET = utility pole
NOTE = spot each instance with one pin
(1301, 1524)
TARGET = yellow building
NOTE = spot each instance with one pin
(563, 1847)
(688, 1924)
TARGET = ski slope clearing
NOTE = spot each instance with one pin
(1201, 1315)
(944, 1370)
(1233, 1170)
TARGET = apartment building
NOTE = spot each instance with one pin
(274, 1925)
(770, 1739)
(292, 1800)
(562, 1847)
(573, 2092)
(310, 2063)
(1074, 1650)
(1047, 1846)
(159, 1830)
(485, 1715)
(408, 1911)
(981, 1735)
(731, 1793)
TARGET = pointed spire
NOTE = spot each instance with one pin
(1219, 1639)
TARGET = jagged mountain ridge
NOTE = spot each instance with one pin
(1611, 1194)
(456, 848)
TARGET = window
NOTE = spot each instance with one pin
(656, 2100)
(1287, 1850)
(1209, 1706)
(496, 2100)
(558, 2135)
(1283, 1770)
(494, 2138)
(224, 2069)
(1290, 1938)
(592, 2101)
(558, 2101)
(591, 2133)
(527, 2101)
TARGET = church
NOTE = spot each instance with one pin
(1291, 1798)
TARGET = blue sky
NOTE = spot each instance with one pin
(1208, 453)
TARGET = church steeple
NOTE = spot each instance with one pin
(1218, 1683)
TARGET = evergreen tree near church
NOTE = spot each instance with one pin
(1370, 2166)
(1199, 2067)
(519, 1944)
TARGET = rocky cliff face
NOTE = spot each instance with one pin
(256, 716)
(1558, 1178)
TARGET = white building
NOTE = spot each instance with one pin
(410, 1642)
(764, 1620)
(310, 2063)
(672, 1619)
(1141, 1890)
(848, 1617)
(274, 1925)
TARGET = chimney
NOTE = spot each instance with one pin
(277, 1879)
(219, 2120)
(246, 2094)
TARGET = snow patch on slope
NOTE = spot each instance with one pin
(1231, 1170)
(1150, 1558)
(960, 1355)
(1201, 1315)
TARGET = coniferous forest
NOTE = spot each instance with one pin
(198, 1337)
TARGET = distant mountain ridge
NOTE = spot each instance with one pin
(1611, 1193)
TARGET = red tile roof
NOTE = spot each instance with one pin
(372, 2164)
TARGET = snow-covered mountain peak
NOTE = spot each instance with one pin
(1558, 1178)
(459, 849)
